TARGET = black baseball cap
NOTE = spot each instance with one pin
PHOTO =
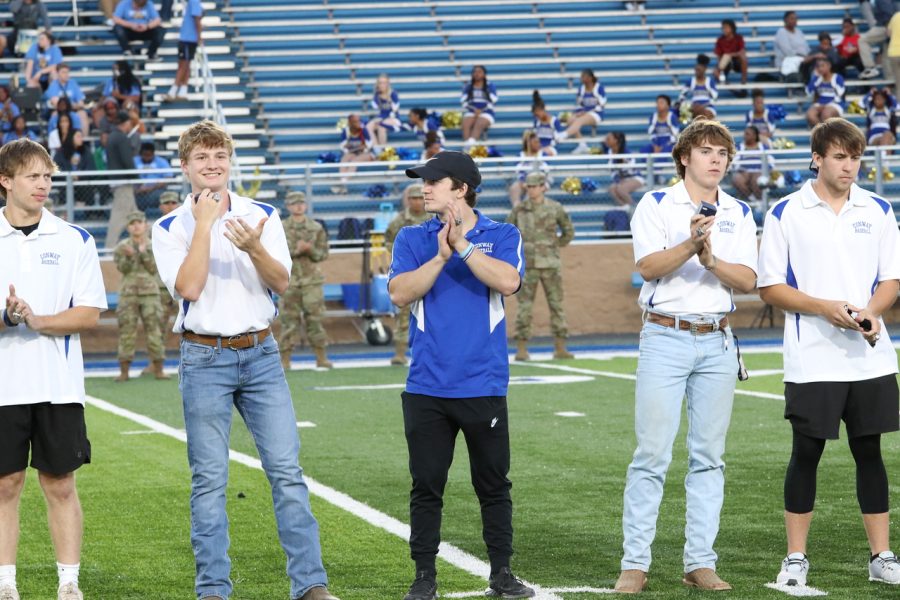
(448, 163)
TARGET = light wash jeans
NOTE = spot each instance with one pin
(673, 364)
(212, 380)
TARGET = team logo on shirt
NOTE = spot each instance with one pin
(726, 226)
(862, 227)
(485, 247)
(49, 258)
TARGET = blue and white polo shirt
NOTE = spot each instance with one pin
(54, 268)
(457, 330)
(837, 257)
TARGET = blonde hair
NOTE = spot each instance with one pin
(18, 155)
(702, 131)
(203, 134)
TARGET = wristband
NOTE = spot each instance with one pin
(6, 320)
(467, 252)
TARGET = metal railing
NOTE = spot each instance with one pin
(212, 108)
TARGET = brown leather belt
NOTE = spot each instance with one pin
(695, 327)
(235, 342)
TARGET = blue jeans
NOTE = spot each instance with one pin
(212, 380)
(672, 364)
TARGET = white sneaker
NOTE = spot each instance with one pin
(69, 591)
(722, 78)
(9, 592)
(794, 569)
(182, 93)
(470, 142)
(870, 73)
(885, 568)
(582, 148)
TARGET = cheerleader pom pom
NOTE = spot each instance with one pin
(572, 185)
(451, 119)
(588, 185)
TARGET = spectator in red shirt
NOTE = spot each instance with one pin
(731, 52)
(848, 49)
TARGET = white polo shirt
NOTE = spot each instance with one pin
(235, 299)
(54, 268)
(662, 220)
(837, 257)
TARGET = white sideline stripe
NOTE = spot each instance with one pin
(139, 432)
(796, 590)
(569, 413)
(305, 424)
(630, 377)
(571, 590)
(448, 552)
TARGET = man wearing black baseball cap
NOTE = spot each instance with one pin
(454, 271)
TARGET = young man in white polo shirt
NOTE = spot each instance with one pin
(222, 256)
(690, 264)
(830, 258)
(55, 292)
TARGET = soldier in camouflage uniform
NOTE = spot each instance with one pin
(545, 228)
(412, 215)
(168, 202)
(138, 297)
(305, 297)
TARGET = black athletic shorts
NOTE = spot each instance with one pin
(55, 434)
(186, 50)
(867, 407)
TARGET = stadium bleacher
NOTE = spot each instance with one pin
(310, 64)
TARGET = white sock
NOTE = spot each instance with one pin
(173, 90)
(67, 573)
(183, 90)
(8, 575)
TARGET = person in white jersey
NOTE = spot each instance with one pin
(690, 264)
(55, 292)
(222, 257)
(830, 259)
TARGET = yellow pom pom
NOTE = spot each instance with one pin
(675, 179)
(872, 173)
(478, 151)
(788, 144)
(855, 108)
(572, 185)
(684, 114)
(888, 175)
(565, 116)
(596, 150)
(451, 119)
(341, 124)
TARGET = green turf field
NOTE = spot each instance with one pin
(568, 475)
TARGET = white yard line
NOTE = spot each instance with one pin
(448, 552)
(796, 590)
(630, 377)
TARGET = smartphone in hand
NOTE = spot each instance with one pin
(707, 209)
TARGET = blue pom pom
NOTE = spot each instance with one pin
(328, 157)
(777, 112)
(407, 154)
(493, 152)
(376, 191)
(793, 178)
(588, 185)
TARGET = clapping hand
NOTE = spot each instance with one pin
(243, 236)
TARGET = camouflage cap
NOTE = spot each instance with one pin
(415, 191)
(294, 198)
(169, 197)
(535, 178)
(135, 215)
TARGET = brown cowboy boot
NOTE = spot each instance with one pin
(522, 350)
(560, 349)
(321, 358)
(124, 365)
(157, 370)
(631, 581)
(705, 579)
(399, 357)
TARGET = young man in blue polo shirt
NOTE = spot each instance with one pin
(454, 271)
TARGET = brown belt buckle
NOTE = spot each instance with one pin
(696, 325)
(232, 339)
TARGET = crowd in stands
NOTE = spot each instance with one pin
(822, 70)
(101, 128)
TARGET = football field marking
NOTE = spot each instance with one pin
(796, 590)
(448, 552)
(630, 377)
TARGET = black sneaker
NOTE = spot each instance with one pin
(506, 585)
(423, 588)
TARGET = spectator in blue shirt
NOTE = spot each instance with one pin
(41, 60)
(64, 107)
(19, 130)
(138, 20)
(190, 37)
(152, 184)
(26, 14)
(123, 86)
(8, 109)
(65, 86)
(454, 272)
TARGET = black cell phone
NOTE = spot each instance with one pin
(215, 197)
(707, 209)
(865, 325)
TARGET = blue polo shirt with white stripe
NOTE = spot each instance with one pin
(457, 330)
